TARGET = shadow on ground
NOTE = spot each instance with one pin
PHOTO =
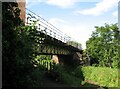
(50, 82)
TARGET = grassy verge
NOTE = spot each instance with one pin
(87, 76)
(102, 76)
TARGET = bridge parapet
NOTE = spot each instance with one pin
(48, 29)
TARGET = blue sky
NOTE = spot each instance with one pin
(76, 18)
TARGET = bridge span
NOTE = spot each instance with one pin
(52, 41)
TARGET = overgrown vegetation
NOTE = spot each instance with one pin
(18, 51)
(103, 48)
(44, 61)
(87, 76)
(102, 76)
(102, 53)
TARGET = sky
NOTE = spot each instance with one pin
(76, 18)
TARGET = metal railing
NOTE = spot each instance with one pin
(44, 26)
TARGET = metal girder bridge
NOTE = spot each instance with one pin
(49, 39)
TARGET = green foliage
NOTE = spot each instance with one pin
(102, 76)
(84, 55)
(10, 20)
(26, 59)
(43, 57)
(87, 76)
(104, 46)
(18, 50)
(43, 61)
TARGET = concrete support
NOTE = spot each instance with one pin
(77, 58)
(71, 60)
(55, 59)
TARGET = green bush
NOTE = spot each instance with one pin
(102, 76)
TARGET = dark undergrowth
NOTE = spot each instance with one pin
(68, 76)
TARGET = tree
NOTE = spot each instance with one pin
(104, 46)
(10, 19)
(18, 47)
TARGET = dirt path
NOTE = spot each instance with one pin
(47, 82)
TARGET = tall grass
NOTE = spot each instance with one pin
(102, 76)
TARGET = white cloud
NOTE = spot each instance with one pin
(57, 22)
(34, 0)
(100, 8)
(79, 32)
(62, 3)
(30, 3)
(59, 3)
(115, 14)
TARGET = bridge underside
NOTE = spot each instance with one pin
(48, 45)
(65, 54)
